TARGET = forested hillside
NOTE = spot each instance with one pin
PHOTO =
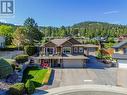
(86, 29)
(31, 32)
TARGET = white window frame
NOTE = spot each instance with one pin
(66, 48)
(81, 49)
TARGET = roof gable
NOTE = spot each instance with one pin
(59, 42)
(50, 44)
(74, 41)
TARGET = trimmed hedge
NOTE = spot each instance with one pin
(5, 68)
(30, 50)
(21, 58)
(30, 88)
(17, 89)
(11, 48)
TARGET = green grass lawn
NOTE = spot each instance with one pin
(35, 74)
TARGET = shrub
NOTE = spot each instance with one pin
(17, 89)
(21, 58)
(13, 66)
(30, 50)
(5, 68)
(30, 88)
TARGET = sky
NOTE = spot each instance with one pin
(68, 12)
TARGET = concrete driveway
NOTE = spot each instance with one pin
(94, 73)
(67, 77)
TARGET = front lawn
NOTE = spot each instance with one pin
(36, 74)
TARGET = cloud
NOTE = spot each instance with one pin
(111, 12)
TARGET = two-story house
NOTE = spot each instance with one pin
(66, 52)
(120, 54)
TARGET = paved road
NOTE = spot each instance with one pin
(92, 93)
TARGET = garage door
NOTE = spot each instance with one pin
(122, 63)
(73, 63)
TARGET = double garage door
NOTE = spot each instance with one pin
(67, 63)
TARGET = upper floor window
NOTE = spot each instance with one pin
(81, 50)
(67, 50)
(50, 50)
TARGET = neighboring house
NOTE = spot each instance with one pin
(120, 53)
(122, 38)
(2, 41)
(66, 52)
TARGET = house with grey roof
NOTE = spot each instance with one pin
(65, 52)
(120, 54)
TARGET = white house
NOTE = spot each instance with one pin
(2, 41)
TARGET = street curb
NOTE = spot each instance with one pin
(67, 89)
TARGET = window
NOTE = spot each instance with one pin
(67, 50)
(50, 50)
(125, 50)
(116, 50)
(81, 50)
(75, 49)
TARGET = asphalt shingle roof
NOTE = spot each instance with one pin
(59, 42)
(120, 44)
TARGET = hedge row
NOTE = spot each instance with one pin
(21, 58)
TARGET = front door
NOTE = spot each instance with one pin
(55, 63)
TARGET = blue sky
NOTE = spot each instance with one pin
(68, 12)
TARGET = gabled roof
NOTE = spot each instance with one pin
(59, 42)
(119, 45)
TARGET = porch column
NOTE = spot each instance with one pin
(87, 51)
(50, 63)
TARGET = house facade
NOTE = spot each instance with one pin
(66, 52)
(2, 41)
(120, 54)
